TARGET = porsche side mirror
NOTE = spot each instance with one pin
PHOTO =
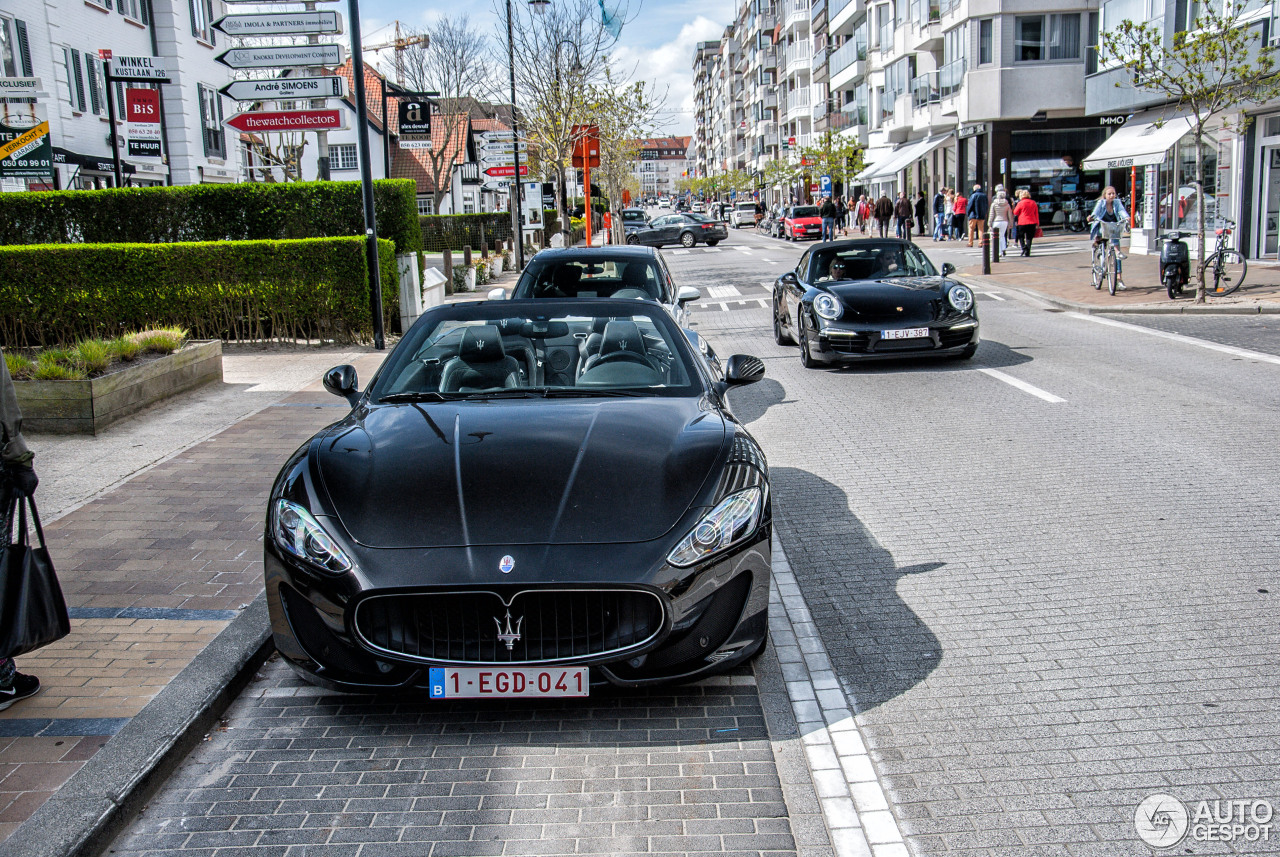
(686, 294)
(790, 278)
(342, 381)
(948, 269)
(498, 294)
(743, 369)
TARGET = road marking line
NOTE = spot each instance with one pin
(762, 303)
(724, 306)
(768, 284)
(1022, 385)
(679, 252)
(723, 291)
(712, 250)
(746, 250)
(995, 295)
(1186, 340)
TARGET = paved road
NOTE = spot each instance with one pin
(1044, 611)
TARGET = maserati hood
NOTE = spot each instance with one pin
(518, 472)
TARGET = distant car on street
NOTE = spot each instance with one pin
(744, 214)
(800, 221)
(634, 219)
(867, 299)
(683, 229)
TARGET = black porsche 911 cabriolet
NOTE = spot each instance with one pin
(867, 299)
(515, 507)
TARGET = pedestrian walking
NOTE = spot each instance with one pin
(958, 208)
(17, 479)
(902, 214)
(949, 214)
(827, 211)
(884, 213)
(1027, 214)
(922, 213)
(976, 213)
(1001, 218)
(842, 215)
(939, 214)
(864, 213)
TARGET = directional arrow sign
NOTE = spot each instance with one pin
(279, 24)
(491, 136)
(502, 148)
(282, 55)
(288, 120)
(506, 171)
(286, 88)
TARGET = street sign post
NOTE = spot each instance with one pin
(288, 120)
(286, 88)
(279, 56)
(324, 22)
(142, 69)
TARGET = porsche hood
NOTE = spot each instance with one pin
(518, 472)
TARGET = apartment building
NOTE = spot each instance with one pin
(59, 41)
(663, 162)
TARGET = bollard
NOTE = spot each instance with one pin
(448, 272)
(484, 244)
(986, 252)
(995, 245)
(466, 255)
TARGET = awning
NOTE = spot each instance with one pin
(97, 163)
(1039, 167)
(872, 157)
(903, 157)
(1142, 141)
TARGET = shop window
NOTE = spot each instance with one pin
(1046, 37)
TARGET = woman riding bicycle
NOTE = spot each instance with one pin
(1107, 222)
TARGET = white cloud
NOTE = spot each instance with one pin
(669, 68)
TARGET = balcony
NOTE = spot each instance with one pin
(818, 65)
(846, 55)
(925, 90)
(796, 58)
(798, 104)
(768, 57)
(951, 78)
(839, 6)
(925, 12)
(794, 13)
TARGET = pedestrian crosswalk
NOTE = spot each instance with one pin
(1038, 248)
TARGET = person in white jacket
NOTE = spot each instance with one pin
(1001, 216)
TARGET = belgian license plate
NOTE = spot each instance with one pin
(906, 333)
(498, 682)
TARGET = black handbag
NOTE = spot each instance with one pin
(32, 610)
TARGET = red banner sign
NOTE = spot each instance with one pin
(287, 120)
(506, 171)
(142, 105)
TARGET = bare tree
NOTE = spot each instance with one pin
(559, 56)
(455, 62)
(624, 113)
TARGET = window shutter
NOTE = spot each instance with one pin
(24, 49)
(222, 130)
(75, 63)
(144, 9)
(94, 103)
(195, 29)
(204, 116)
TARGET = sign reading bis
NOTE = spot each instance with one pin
(142, 123)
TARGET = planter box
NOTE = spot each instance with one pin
(87, 407)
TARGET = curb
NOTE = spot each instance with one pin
(1133, 309)
(98, 801)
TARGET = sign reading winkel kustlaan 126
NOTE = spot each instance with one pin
(276, 56)
(148, 69)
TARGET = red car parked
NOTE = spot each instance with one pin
(801, 221)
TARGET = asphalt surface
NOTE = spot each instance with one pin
(1040, 581)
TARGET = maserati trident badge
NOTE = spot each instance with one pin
(509, 635)
(507, 563)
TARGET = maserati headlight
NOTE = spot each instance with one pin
(827, 306)
(298, 533)
(961, 298)
(733, 519)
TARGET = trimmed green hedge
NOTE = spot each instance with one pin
(455, 231)
(252, 211)
(314, 288)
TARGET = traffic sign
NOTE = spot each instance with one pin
(490, 136)
(280, 24)
(275, 56)
(502, 149)
(288, 120)
(147, 69)
(506, 171)
(825, 183)
(286, 88)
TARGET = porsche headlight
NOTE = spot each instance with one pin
(733, 519)
(961, 298)
(301, 535)
(827, 306)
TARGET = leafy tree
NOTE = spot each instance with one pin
(833, 155)
(625, 114)
(781, 174)
(1215, 66)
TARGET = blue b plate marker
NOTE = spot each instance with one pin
(437, 682)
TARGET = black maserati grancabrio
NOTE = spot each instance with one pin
(531, 497)
(867, 299)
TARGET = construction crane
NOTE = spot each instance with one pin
(399, 44)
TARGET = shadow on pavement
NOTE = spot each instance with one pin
(878, 646)
(751, 402)
(991, 354)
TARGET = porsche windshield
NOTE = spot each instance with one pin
(870, 260)
(517, 349)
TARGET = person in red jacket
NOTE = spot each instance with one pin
(1027, 214)
(957, 216)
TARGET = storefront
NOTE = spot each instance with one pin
(1156, 153)
(1263, 239)
(1046, 159)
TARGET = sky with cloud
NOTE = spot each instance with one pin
(656, 45)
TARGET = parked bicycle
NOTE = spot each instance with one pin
(1106, 255)
(1225, 268)
(1075, 209)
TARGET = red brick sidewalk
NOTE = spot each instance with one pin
(1061, 272)
(152, 571)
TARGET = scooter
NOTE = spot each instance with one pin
(1175, 264)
